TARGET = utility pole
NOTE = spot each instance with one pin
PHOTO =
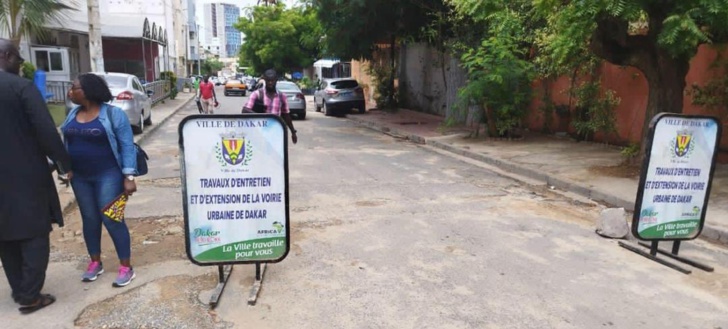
(95, 45)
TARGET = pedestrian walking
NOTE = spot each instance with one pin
(274, 102)
(206, 95)
(100, 141)
(28, 198)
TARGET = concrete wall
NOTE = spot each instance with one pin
(429, 81)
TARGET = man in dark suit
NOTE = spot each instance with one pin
(28, 198)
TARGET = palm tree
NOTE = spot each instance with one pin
(29, 17)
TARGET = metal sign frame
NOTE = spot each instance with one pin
(185, 195)
(646, 164)
(654, 242)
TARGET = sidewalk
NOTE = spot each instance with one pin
(588, 169)
(160, 113)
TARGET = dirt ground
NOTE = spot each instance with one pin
(152, 240)
(622, 171)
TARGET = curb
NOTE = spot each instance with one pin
(717, 235)
(72, 201)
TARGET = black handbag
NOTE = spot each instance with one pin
(142, 157)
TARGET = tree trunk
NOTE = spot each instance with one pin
(665, 77)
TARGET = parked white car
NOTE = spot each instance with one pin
(130, 95)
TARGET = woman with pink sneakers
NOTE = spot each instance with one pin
(100, 141)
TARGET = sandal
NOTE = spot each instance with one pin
(43, 301)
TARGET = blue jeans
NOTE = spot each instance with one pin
(92, 195)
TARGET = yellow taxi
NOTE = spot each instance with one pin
(235, 87)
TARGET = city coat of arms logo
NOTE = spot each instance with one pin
(233, 149)
(683, 143)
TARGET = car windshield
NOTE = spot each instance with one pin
(287, 86)
(116, 81)
(344, 84)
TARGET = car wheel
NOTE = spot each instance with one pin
(302, 116)
(148, 121)
(244, 94)
(318, 108)
(139, 128)
(362, 109)
(327, 110)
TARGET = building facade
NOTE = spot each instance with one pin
(193, 39)
(222, 39)
(139, 37)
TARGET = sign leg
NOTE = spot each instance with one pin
(688, 261)
(259, 273)
(653, 257)
(223, 276)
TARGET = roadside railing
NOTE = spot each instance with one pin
(161, 90)
(58, 91)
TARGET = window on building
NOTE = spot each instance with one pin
(49, 60)
(213, 12)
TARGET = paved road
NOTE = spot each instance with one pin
(389, 234)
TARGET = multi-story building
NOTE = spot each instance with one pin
(222, 39)
(139, 37)
(193, 39)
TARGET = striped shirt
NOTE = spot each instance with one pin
(279, 102)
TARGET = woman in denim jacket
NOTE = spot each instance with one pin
(101, 144)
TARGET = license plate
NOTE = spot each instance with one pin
(347, 93)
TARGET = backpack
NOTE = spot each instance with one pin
(259, 105)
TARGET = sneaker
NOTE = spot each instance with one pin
(93, 271)
(126, 274)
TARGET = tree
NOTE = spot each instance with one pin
(212, 66)
(498, 61)
(658, 37)
(280, 38)
(354, 28)
(28, 17)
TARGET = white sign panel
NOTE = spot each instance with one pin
(675, 183)
(236, 182)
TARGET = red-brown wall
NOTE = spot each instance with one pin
(131, 49)
(631, 87)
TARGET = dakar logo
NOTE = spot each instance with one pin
(205, 235)
(648, 216)
(233, 149)
(683, 144)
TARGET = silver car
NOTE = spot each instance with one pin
(339, 96)
(295, 98)
(131, 96)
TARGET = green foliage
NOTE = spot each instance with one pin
(386, 95)
(172, 86)
(499, 70)
(632, 151)
(595, 112)
(280, 38)
(28, 70)
(352, 27)
(29, 17)
(211, 66)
